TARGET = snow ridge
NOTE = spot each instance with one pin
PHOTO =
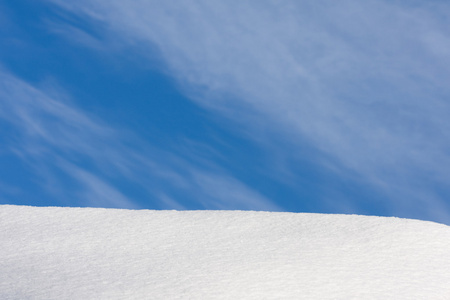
(93, 253)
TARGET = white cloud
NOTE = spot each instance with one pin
(57, 139)
(95, 191)
(226, 192)
(365, 83)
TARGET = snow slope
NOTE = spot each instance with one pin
(86, 253)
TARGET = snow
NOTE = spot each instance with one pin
(92, 253)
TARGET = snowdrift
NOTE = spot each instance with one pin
(86, 253)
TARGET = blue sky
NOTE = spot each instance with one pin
(303, 106)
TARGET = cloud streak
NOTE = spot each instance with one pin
(82, 161)
(366, 84)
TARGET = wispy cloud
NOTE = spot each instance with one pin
(62, 143)
(365, 83)
(95, 191)
(227, 191)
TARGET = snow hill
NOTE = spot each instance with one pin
(87, 253)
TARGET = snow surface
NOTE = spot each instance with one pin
(92, 253)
